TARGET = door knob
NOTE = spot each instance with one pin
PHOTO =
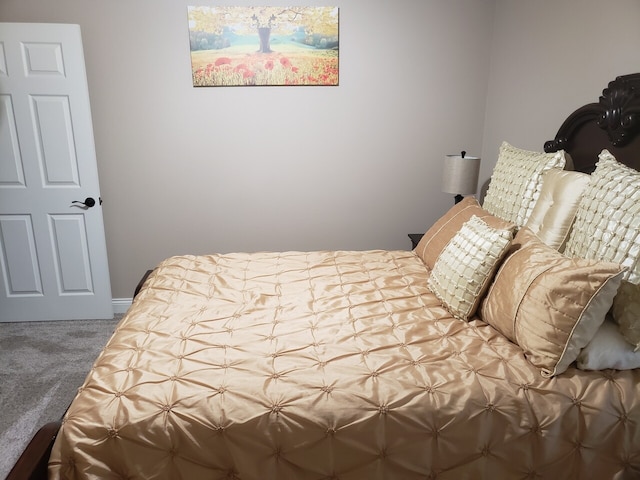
(88, 202)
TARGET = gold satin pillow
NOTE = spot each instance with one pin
(626, 312)
(516, 182)
(437, 237)
(548, 304)
(555, 210)
(466, 265)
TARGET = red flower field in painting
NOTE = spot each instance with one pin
(267, 69)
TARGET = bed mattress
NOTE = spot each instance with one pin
(319, 365)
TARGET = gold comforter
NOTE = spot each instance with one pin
(331, 365)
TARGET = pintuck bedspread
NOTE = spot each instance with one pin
(331, 365)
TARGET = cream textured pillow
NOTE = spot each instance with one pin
(516, 182)
(548, 304)
(437, 237)
(607, 227)
(608, 349)
(465, 267)
(555, 210)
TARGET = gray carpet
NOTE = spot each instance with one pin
(42, 364)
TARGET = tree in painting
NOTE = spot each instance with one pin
(264, 45)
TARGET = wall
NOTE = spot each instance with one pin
(187, 170)
(550, 57)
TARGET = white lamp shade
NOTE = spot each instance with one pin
(460, 175)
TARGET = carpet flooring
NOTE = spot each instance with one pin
(42, 364)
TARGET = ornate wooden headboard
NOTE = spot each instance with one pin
(612, 123)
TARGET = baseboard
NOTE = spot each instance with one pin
(121, 305)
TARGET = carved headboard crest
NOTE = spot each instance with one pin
(621, 116)
(617, 115)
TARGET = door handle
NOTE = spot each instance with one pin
(88, 202)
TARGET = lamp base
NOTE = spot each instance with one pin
(458, 198)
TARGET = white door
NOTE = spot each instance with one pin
(53, 255)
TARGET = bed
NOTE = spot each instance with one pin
(468, 357)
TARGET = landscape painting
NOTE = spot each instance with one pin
(242, 46)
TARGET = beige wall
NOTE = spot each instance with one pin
(550, 57)
(185, 170)
(358, 166)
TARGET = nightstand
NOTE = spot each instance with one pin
(415, 239)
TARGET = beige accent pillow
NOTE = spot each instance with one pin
(626, 312)
(437, 237)
(607, 227)
(555, 211)
(466, 265)
(548, 304)
(608, 349)
(516, 182)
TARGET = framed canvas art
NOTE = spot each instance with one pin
(248, 46)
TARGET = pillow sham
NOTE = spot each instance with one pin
(437, 237)
(516, 182)
(555, 211)
(608, 349)
(607, 227)
(466, 265)
(548, 304)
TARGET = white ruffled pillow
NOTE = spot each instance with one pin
(608, 349)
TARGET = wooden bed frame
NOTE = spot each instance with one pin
(613, 123)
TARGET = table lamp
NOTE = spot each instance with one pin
(460, 175)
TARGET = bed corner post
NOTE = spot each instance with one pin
(33, 463)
